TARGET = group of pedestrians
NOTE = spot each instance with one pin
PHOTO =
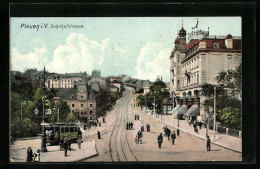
(168, 134)
(129, 125)
(136, 117)
(35, 157)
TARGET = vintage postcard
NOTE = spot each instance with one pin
(125, 89)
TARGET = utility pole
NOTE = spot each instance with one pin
(153, 105)
(21, 127)
(214, 127)
(58, 118)
(173, 113)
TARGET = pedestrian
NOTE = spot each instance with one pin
(79, 141)
(148, 127)
(200, 124)
(65, 147)
(140, 135)
(29, 155)
(135, 116)
(69, 141)
(142, 127)
(56, 138)
(178, 132)
(169, 134)
(190, 122)
(160, 140)
(98, 133)
(138, 117)
(208, 144)
(131, 125)
(61, 144)
(37, 156)
(103, 119)
(127, 125)
(173, 136)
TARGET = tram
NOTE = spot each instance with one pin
(55, 132)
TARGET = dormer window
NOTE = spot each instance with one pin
(216, 45)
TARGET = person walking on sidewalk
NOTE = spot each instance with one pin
(148, 127)
(37, 156)
(208, 143)
(127, 125)
(178, 132)
(168, 134)
(29, 155)
(79, 141)
(160, 140)
(173, 136)
(98, 134)
(65, 147)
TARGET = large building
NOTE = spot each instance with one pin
(66, 80)
(81, 100)
(197, 62)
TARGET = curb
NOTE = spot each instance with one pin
(195, 135)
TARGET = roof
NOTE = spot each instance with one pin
(116, 81)
(113, 86)
(67, 93)
(229, 36)
(95, 86)
(182, 32)
(140, 91)
(237, 44)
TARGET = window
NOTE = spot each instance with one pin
(173, 72)
(72, 104)
(178, 58)
(81, 113)
(178, 83)
(216, 45)
(198, 78)
(82, 97)
(178, 70)
(81, 105)
(90, 105)
(67, 129)
(173, 82)
(198, 62)
(194, 78)
(90, 112)
(85, 112)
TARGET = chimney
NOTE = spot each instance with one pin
(229, 41)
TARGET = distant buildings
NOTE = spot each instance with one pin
(197, 62)
(136, 94)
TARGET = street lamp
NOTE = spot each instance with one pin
(44, 76)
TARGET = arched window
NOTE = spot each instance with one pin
(178, 58)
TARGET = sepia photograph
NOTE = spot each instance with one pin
(125, 89)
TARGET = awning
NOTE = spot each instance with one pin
(175, 109)
(182, 109)
(193, 111)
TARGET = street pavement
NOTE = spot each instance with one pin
(227, 141)
(118, 144)
(18, 151)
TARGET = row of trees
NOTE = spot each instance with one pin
(228, 99)
(159, 93)
(25, 98)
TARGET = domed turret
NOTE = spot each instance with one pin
(182, 32)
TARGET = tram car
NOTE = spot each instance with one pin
(56, 132)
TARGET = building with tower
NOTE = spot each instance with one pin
(198, 61)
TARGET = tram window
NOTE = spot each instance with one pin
(66, 129)
(62, 130)
(75, 129)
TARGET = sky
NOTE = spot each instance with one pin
(139, 47)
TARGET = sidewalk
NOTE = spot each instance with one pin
(229, 142)
(18, 151)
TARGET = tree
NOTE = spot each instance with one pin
(228, 102)
(63, 109)
(161, 94)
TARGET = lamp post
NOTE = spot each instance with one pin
(214, 127)
(173, 113)
(43, 75)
